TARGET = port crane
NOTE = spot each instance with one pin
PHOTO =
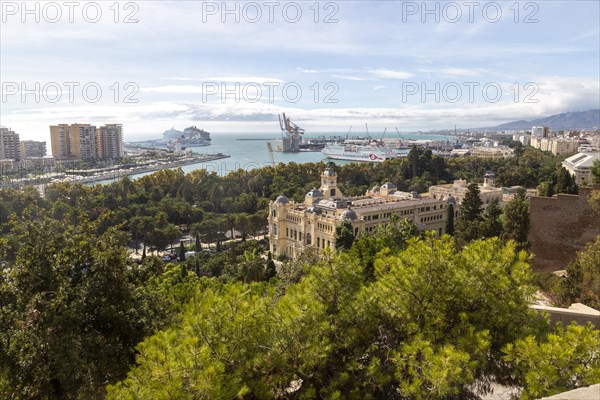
(271, 156)
(291, 134)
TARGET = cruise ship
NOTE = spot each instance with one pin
(191, 136)
(373, 152)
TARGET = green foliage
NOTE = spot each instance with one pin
(197, 243)
(206, 356)
(582, 283)
(565, 182)
(469, 224)
(596, 171)
(181, 251)
(516, 221)
(492, 225)
(53, 337)
(426, 324)
(344, 236)
(392, 236)
(594, 200)
(449, 228)
(70, 315)
(271, 270)
(565, 360)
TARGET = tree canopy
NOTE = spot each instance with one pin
(430, 323)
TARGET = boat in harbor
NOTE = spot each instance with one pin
(373, 152)
(191, 136)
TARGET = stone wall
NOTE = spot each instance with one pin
(560, 227)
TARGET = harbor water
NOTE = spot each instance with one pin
(249, 152)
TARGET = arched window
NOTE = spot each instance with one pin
(308, 238)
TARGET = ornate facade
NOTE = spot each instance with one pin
(294, 227)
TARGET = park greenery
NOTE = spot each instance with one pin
(397, 314)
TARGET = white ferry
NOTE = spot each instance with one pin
(373, 153)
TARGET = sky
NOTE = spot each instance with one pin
(331, 66)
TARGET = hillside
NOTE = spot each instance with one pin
(569, 120)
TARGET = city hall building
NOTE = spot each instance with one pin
(294, 227)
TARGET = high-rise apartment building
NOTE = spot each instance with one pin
(60, 141)
(84, 141)
(73, 141)
(540, 131)
(9, 145)
(32, 149)
(109, 141)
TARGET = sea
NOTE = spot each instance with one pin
(249, 152)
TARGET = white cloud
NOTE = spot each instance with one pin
(390, 74)
(307, 71)
(348, 77)
(174, 89)
(462, 71)
(242, 79)
(177, 78)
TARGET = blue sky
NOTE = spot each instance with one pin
(411, 65)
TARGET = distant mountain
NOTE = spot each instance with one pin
(569, 120)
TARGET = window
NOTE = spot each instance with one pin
(308, 238)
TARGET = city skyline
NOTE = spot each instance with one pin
(394, 64)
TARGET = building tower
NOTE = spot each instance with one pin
(109, 141)
(73, 141)
(60, 141)
(329, 184)
(32, 149)
(10, 148)
(489, 179)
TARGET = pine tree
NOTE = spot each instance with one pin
(449, 229)
(468, 226)
(181, 251)
(492, 226)
(271, 270)
(344, 236)
(516, 220)
(184, 270)
(565, 182)
(198, 245)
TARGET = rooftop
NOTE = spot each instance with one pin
(583, 160)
